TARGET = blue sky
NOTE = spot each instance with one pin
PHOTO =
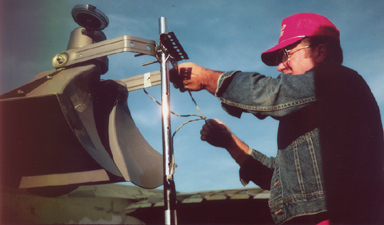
(221, 35)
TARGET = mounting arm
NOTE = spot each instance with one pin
(104, 48)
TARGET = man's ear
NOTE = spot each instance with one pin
(321, 53)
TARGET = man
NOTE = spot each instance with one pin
(329, 164)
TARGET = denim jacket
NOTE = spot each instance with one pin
(294, 176)
(297, 183)
(329, 107)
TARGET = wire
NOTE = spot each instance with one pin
(199, 117)
(202, 117)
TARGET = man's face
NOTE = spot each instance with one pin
(301, 59)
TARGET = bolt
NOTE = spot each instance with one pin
(60, 60)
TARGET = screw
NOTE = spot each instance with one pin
(60, 60)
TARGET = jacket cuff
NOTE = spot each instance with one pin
(223, 82)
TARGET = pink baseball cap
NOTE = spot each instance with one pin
(296, 27)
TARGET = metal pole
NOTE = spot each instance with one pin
(169, 185)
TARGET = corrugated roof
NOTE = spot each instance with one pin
(197, 197)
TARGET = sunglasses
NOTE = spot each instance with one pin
(285, 54)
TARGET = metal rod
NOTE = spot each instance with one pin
(169, 185)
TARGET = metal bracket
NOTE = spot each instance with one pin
(172, 46)
(104, 48)
(143, 81)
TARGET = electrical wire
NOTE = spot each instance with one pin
(199, 117)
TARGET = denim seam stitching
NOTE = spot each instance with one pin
(304, 138)
(296, 196)
(315, 164)
(269, 108)
(222, 79)
(298, 170)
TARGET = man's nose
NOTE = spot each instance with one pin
(281, 66)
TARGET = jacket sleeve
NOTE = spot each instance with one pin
(257, 168)
(265, 96)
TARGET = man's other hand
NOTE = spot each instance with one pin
(216, 133)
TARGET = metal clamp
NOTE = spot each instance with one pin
(172, 46)
(104, 48)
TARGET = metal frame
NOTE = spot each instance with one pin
(168, 50)
(104, 48)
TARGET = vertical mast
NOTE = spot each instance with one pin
(169, 185)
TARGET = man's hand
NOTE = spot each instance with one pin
(188, 77)
(191, 77)
(216, 133)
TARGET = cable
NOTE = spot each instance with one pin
(200, 117)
